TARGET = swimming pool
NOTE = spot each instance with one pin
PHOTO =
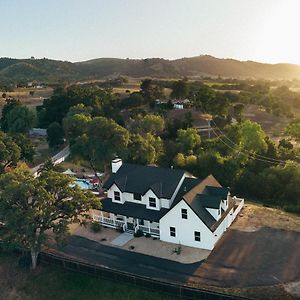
(83, 184)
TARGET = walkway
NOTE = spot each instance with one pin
(122, 239)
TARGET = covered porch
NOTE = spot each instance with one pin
(126, 223)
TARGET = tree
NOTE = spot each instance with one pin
(179, 160)
(19, 119)
(75, 125)
(103, 140)
(145, 150)
(32, 206)
(10, 152)
(237, 111)
(284, 143)
(203, 98)
(294, 130)
(152, 124)
(151, 91)
(252, 137)
(180, 89)
(55, 135)
(25, 145)
(188, 140)
(10, 104)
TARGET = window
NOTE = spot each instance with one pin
(184, 213)
(197, 236)
(137, 196)
(141, 222)
(152, 202)
(172, 231)
(117, 196)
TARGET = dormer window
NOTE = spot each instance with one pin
(117, 196)
(152, 202)
(137, 196)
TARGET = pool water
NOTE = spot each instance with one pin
(83, 184)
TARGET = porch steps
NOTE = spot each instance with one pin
(129, 231)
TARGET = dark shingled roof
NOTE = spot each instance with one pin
(216, 191)
(187, 184)
(200, 198)
(139, 179)
(134, 210)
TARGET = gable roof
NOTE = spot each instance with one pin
(199, 189)
(133, 178)
(202, 194)
(216, 191)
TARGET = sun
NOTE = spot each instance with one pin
(278, 33)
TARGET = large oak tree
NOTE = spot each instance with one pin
(32, 207)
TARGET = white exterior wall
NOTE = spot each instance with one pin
(160, 203)
(185, 228)
(110, 194)
(214, 212)
(165, 203)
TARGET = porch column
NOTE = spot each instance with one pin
(149, 228)
(125, 220)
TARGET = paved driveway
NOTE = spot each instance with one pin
(241, 259)
(244, 259)
(124, 260)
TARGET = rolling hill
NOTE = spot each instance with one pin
(193, 67)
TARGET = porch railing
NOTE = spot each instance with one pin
(150, 230)
(108, 222)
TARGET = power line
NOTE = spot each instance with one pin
(254, 156)
(246, 154)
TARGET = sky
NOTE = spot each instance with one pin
(77, 30)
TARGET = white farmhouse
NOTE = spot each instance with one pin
(167, 203)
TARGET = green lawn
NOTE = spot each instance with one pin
(49, 282)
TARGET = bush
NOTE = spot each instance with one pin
(96, 227)
(147, 235)
(292, 208)
(139, 233)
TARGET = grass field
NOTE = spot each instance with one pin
(23, 94)
(49, 282)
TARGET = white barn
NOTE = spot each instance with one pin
(167, 203)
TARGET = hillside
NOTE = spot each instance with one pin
(205, 65)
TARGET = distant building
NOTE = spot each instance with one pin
(178, 105)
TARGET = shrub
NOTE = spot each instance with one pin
(147, 235)
(139, 233)
(96, 227)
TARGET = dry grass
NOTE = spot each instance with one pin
(23, 94)
(272, 125)
(255, 216)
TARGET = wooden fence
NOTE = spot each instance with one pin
(173, 289)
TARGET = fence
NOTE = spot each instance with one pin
(240, 202)
(141, 281)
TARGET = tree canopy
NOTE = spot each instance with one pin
(31, 206)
